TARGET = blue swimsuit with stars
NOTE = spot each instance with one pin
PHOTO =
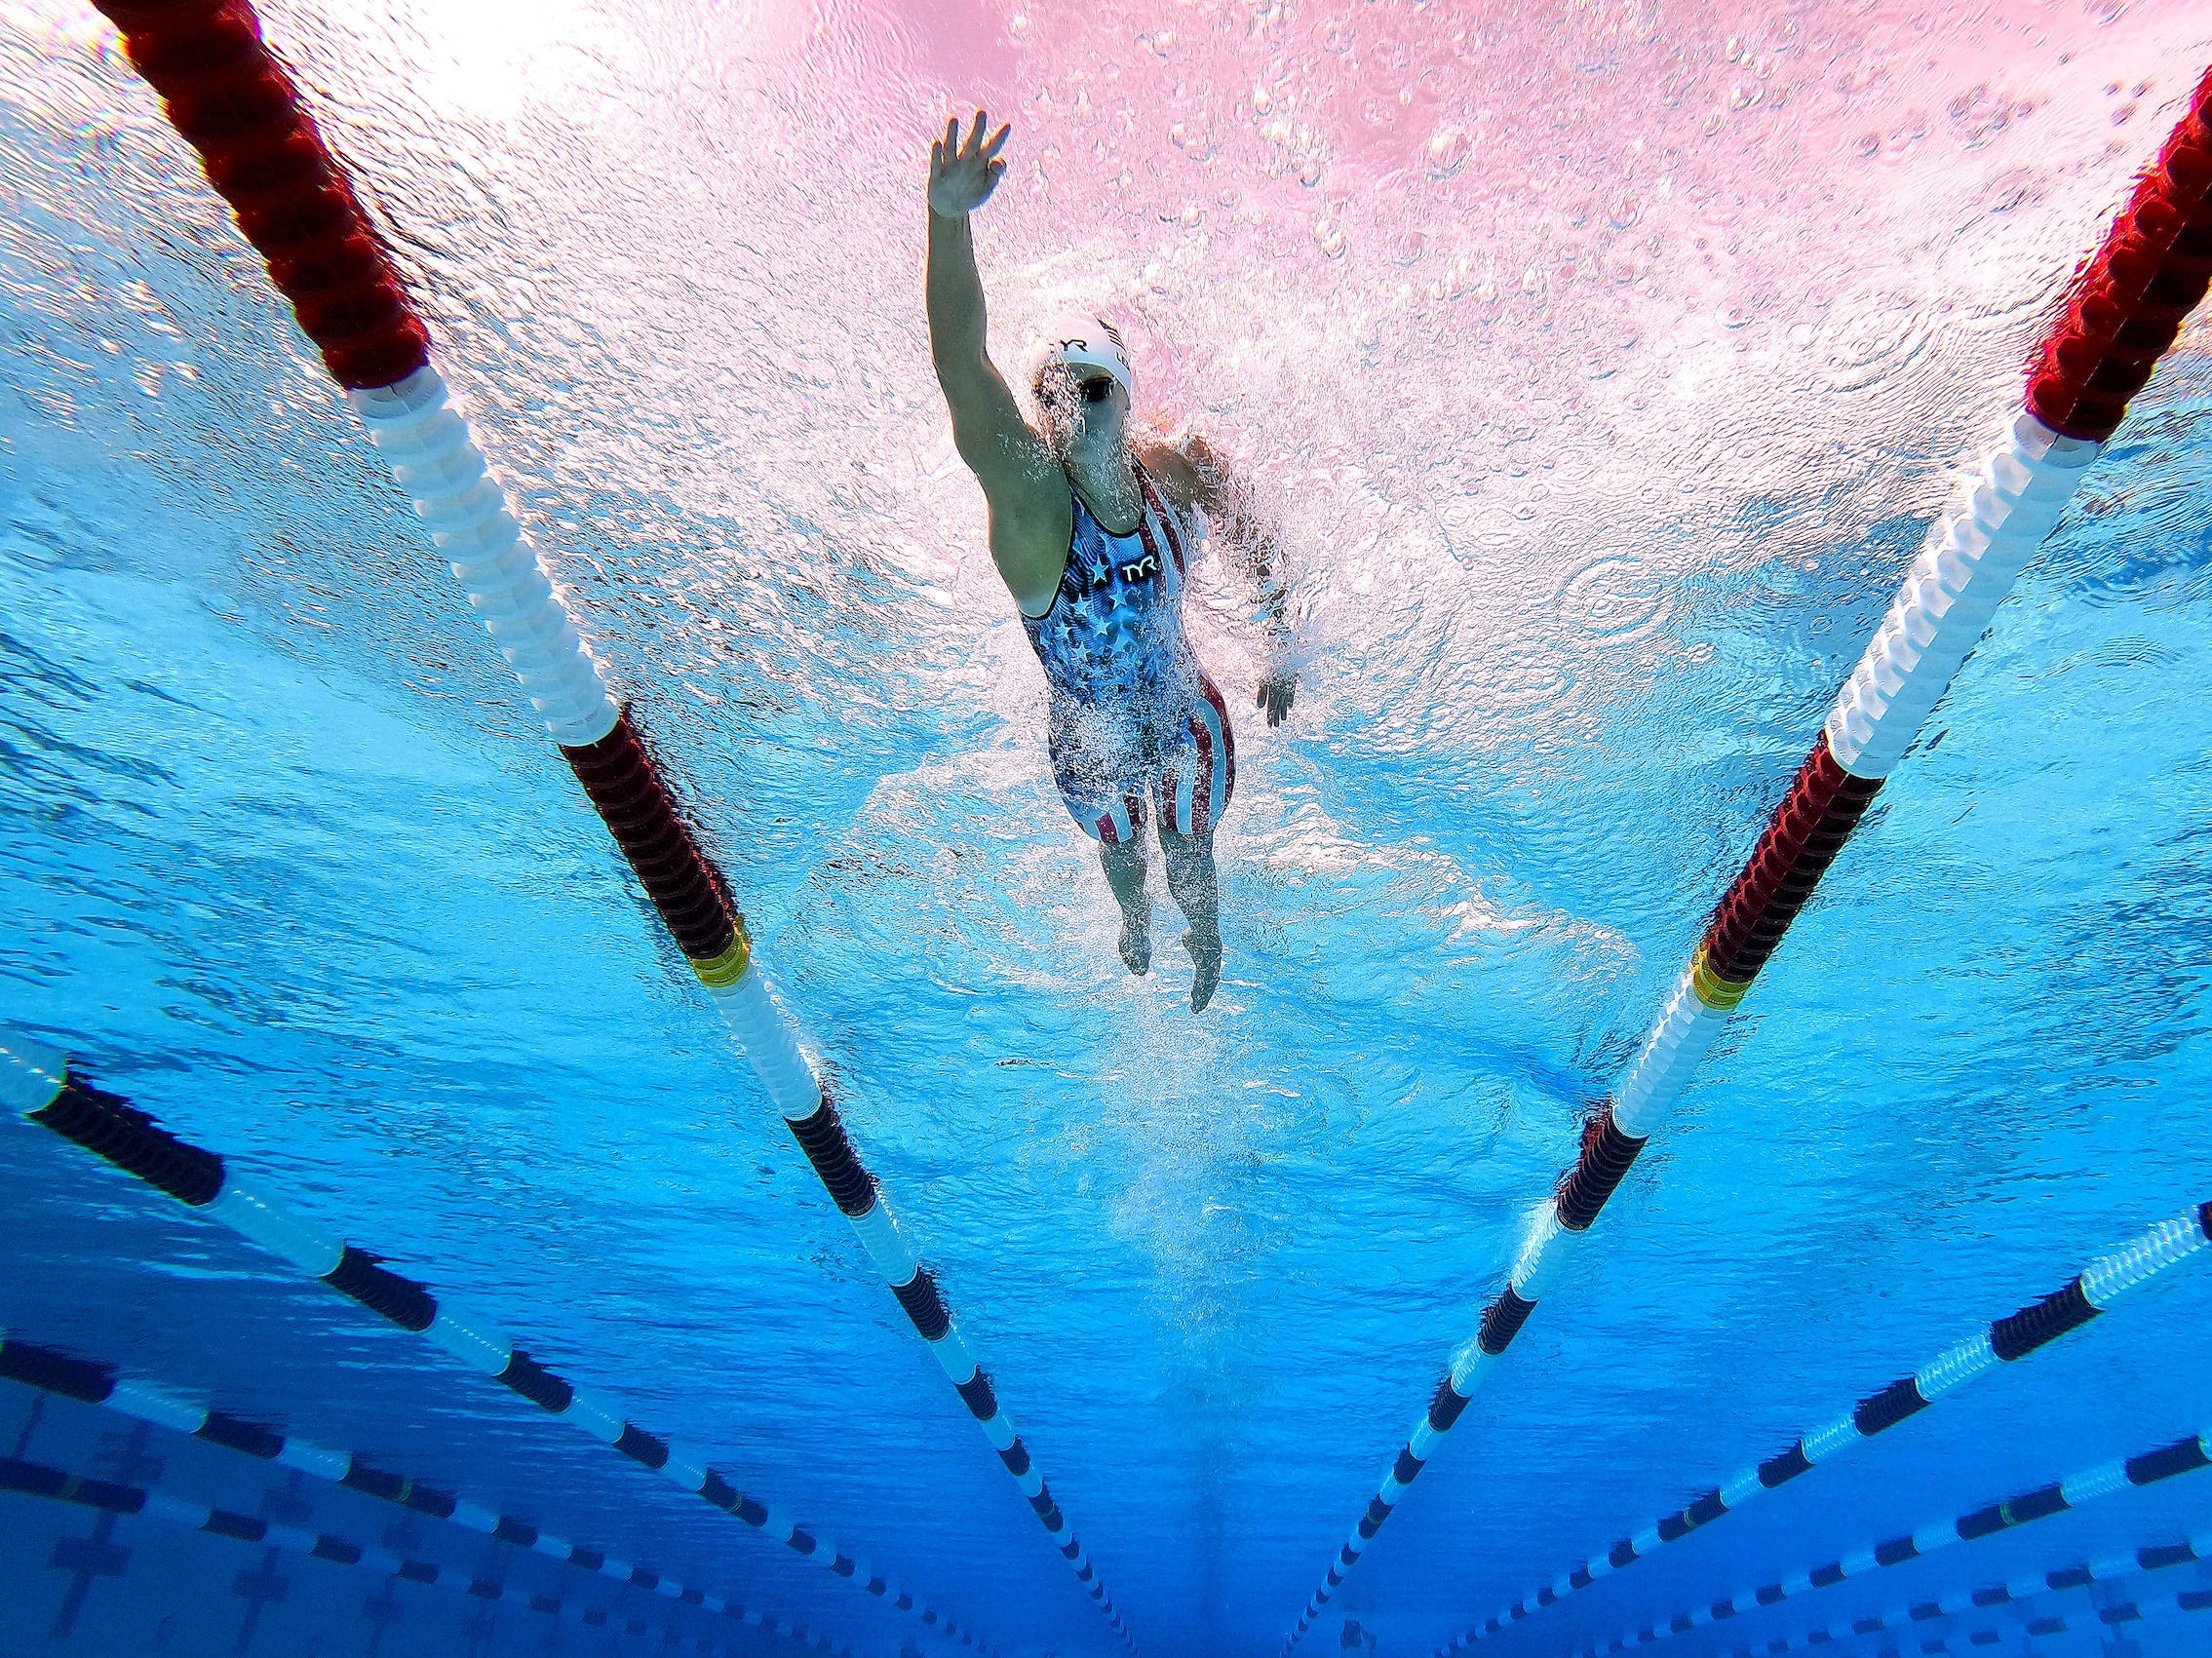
(1133, 713)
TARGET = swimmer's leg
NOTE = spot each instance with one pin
(1124, 867)
(1193, 792)
(1118, 826)
(1196, 891)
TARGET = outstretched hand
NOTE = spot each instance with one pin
(963, 172)
(1277, 690)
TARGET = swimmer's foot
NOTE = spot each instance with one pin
(1136, 944)
(1205, 948)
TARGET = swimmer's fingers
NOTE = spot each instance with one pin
(964, 168)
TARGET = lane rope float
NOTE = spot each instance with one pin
(1963, 1603)
(2166, 1462)
(2005, 1340)
(39, 1480)
(2127, 303)
(92, 1382)
(38, 1084)
(2112, 1617)
(229, 97)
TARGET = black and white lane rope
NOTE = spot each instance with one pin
(2117, 1615)
(1914, 1620)
(821, 1134)
(28, 1479)
(90, 1382)
(38, 1084)
(2186, 1237)
(2166, 1462)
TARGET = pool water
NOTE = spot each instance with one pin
(1605, 366)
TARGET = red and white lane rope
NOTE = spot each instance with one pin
(1963, 1604)
(2171, 1243)
(88, 1382)
(2126, 305)
(38, 1084)
(2167, 1462)
(228, 97)
(21, 1477)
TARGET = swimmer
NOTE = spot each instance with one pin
(1093, 528)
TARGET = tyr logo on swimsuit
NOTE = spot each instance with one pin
(1147, 566)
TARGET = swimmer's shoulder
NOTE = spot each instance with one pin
(1183, 468)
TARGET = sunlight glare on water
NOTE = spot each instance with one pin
(1604, 365)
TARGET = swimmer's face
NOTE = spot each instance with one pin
(1081, 405)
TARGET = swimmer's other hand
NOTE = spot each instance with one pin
(963, 173)
(1276, 692)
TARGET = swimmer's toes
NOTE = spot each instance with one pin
(1136, 950)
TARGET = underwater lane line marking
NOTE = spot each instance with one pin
(91, 1382)
(230, 98)
(2166, 1462)
(2005, 1340)
(2124, 310)
(38, 1480)
(38, 1084)
(1901, 1620)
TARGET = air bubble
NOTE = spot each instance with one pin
(1448, 150)
(1196, 143)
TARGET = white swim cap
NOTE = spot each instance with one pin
(1079, 340)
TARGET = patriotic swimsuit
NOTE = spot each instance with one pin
(1133, 713)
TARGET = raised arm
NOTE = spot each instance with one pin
(1023, 486)
(1251, 541)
